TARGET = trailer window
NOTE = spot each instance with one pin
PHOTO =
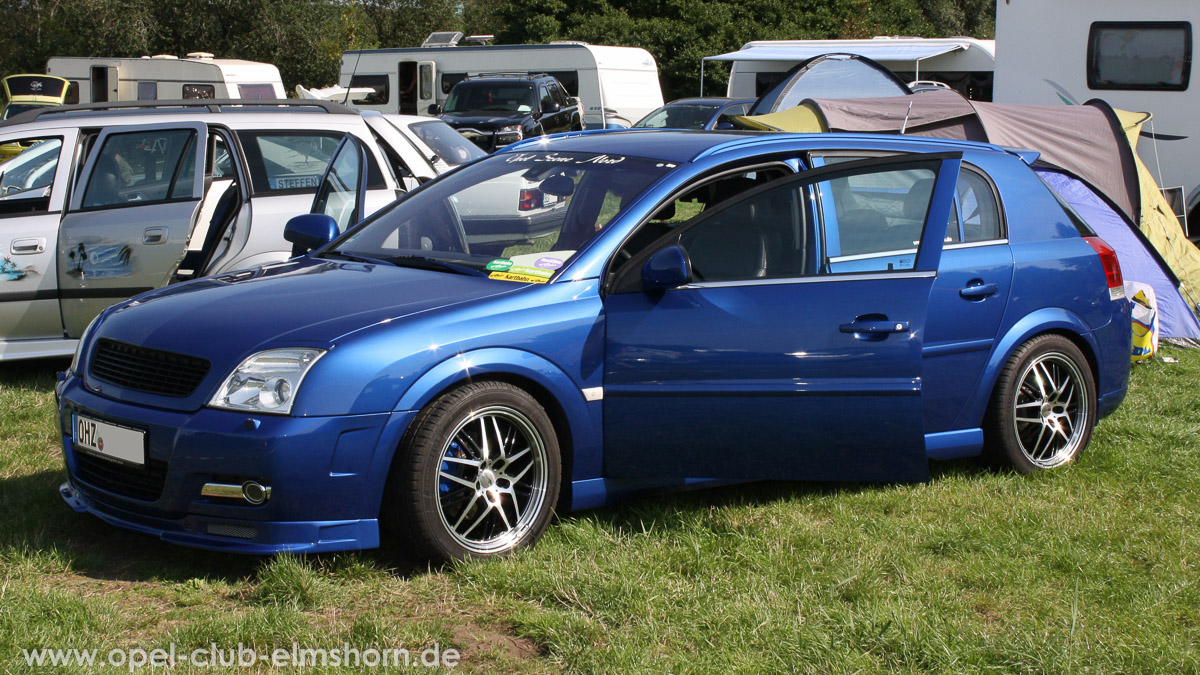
(1146, 55)
(256, 90)
(379, 86)
(199, 91)
(569, 79)
(147, 91)
(451, 79)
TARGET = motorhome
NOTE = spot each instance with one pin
(963, 63)
(166, 77)
(618, 85)
(1134, 56)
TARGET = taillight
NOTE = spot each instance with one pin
(1112, 268)
(531, 198)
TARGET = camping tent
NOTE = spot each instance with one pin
(1092, 144)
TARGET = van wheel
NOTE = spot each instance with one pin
(477, 475)
(1043, 409)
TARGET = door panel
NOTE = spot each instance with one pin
(769, 363)
(131, 217)
(32, 192)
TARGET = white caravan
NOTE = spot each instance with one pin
(618, 85)
(1135, 56)
(164, 77)
(964, 63)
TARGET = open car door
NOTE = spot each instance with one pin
(778, 335)
(131, 217)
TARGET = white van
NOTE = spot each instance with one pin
(618, 85)
(1135, 56)
(964, 63)
(165, 77)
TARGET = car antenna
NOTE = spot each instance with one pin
(353, 72)
(904, 125)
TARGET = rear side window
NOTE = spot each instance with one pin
(142, 167)
(287, 161)
(979, 214)
(1146, 55)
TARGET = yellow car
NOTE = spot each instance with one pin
(27, 92)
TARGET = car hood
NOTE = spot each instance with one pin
(482, 120)
(299, 303)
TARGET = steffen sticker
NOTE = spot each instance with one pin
(499, 265)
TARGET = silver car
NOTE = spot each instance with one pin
(107, 201)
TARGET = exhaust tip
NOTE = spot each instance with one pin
(254, 492)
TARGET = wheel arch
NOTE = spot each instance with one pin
(1055, 321)
(573, 420)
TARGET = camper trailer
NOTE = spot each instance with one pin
(1135, 56)
(164, 77)
(618, 85)
(963, 63)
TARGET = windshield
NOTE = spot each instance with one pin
(452, 147)
(15, 109)
(491, 96)
(513, 217)
(679, 116)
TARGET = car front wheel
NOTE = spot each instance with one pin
(1044, 406)
(478, 474)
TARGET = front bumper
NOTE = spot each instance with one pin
(327, 475)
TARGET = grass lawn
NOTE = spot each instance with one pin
(1095, 568)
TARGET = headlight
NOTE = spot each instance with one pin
(512, 130)
(79, 347)
(267, 382)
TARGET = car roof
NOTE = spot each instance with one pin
(140, 112)
(681, 146)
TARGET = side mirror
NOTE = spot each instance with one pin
(550, 107)
(666, 268)
(435, 109)
(309, 231)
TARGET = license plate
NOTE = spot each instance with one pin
(110, 441)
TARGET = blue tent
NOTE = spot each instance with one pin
(1139, 260)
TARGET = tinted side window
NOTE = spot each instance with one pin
(976, 202)
(1139, 55)
(142, 167)
(377, 83)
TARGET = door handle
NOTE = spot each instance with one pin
(977, 290)
(28, 246)
(874, 327)
(154, 235)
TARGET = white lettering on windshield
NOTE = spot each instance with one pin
(563, 159)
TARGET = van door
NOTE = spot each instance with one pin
(33, 189)
(131, 217)
(426, 86)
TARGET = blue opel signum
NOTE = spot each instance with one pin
(580, 316)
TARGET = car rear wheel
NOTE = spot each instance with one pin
(478, 474)
(1044, 406)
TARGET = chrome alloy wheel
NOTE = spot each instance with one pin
(1051, 410)
(491, 481)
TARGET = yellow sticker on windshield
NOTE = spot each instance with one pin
(516, 276)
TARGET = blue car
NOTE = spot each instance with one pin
(704, 112)
(684, 307)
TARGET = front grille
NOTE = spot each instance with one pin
(235, 531)
(144, 482)
(147, 370)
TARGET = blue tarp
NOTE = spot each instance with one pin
(1139, 261)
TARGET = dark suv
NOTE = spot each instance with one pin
(496, 109)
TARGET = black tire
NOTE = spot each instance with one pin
(1043, 408)
(453, 494)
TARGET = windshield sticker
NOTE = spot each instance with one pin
(548, 263)
(523, 278)
(555, 158)
(532, 271)
(499, 265)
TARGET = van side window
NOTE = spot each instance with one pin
(199, 91)
(1144, 55)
